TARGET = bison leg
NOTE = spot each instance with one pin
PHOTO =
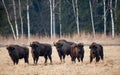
(45, 59)
(34, 60)
(91, 59)
(64, 58)
(60, 56)
(101, 55)
(50, 58)
(26, 60)
(82, 58)
(17, 60)
(73, 59)
(13, 62)
(37, 59)
(78, 59)
(97, 58)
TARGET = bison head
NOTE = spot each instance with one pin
(93, 48)
(58, 45)
(34, 44)
(10, 49)
(92, 45)
(80, 45)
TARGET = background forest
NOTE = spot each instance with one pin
(64, 20)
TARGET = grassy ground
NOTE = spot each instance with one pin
(110, 65)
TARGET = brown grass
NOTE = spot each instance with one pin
(110, 65)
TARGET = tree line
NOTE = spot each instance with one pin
(59, 17)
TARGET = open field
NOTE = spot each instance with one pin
(110, 65)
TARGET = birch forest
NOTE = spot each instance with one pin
(59, 17)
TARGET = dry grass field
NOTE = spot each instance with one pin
(110, 65)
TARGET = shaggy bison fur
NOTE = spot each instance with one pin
(63, 48)
(40, 49)
(96, 51)
(17, 52)
(77, 51)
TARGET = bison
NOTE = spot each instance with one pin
(63, 48)
(96, 51)
(77, 51)
(17, 52)
(40, 49)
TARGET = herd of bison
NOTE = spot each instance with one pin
(63, 47)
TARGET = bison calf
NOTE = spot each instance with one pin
(39, 49)
(17, 52)
(77, 51)
(96, 51)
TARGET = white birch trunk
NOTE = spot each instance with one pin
(28, 20)
(75, 9)
(73, 5)
(92, 19)
(53, 18)
(104, 17)
(115, 9)
(51, 22)
(15, 19)
(9, 20)
(112, 20)
(21, 18)
(77, 17)
(60, 18)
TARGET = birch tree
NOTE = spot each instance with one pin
(60, 18)
(13, 32)
(92, 21)
(21, 17)
(104, 17)
(53, 18)
(51, 22)
(16, 25)
(75, 9)
(112, 19)
(28, 20)
(115, 9)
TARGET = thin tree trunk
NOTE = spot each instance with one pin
(54, 18)
(112, 20)
(73, 5)
(9, 20)
(77, 17)
(115, 9)
(75, 9)
(28, 20)
(21, 18)
(92, 19)
(51, 22)
(60, 18)
(15, 20)
(104, 17)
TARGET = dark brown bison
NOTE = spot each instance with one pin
(40, 49)
(77, 51)
(17, 52)
(96, 51)
(63, 48)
